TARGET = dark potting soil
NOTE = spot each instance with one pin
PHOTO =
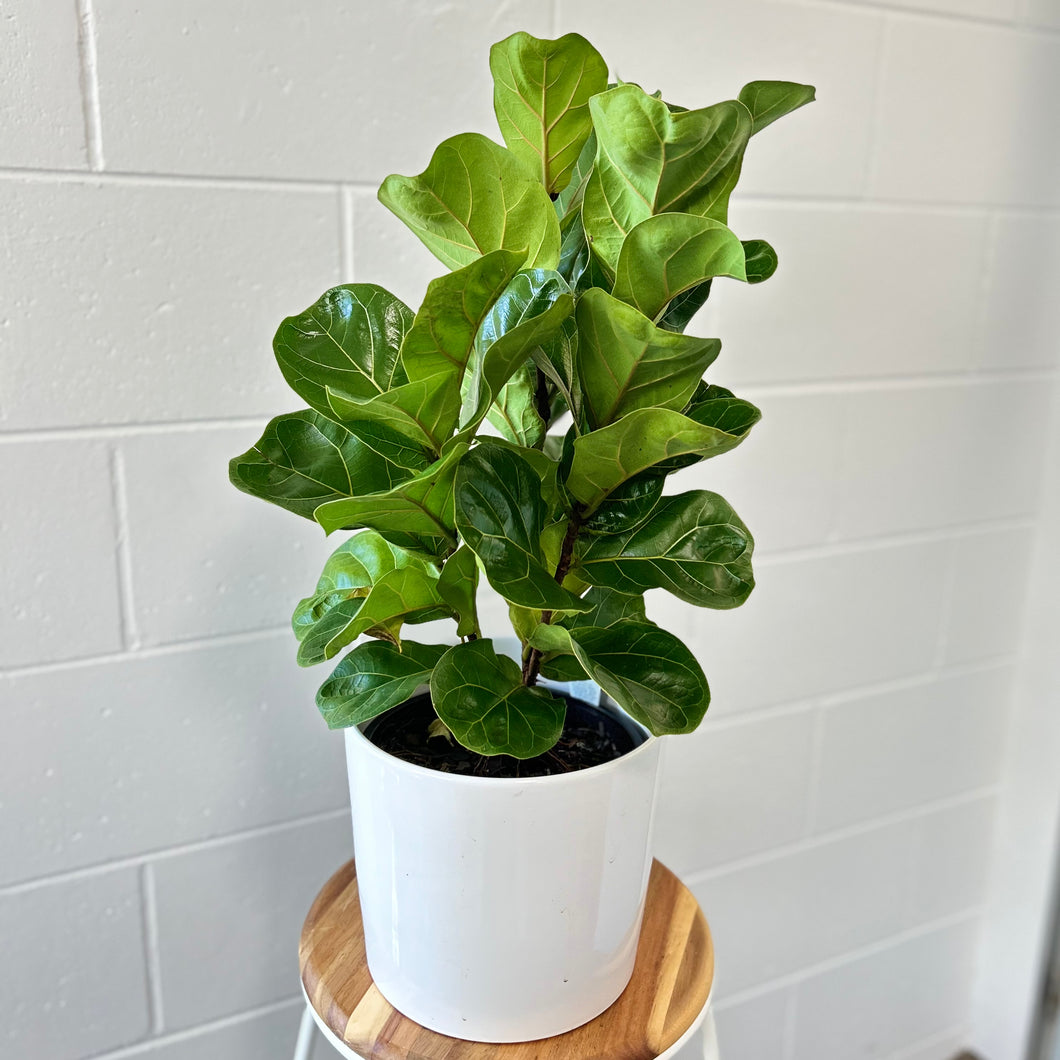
(591, 736)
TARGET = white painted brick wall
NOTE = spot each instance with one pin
(175, 178)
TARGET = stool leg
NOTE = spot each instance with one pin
(304, 1042)
(710, 1038)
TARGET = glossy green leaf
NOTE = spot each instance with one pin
(458, 586)
(650, 161)
(693, 545)
(481, 697)
(557, 358)
(442, 335)
(348, 341)
(605, 458)
(769, 100)
(417, 514)
(368, 585)
(607, 608)
(423, 411)
(501, 514)
(628, 505)
(760, 260)
(374, 677)
(476, 196)
(514, 412)
(304, 460)
(541, 91)
(569, 200)
(627, 363)
(667, 254)
(645, 669)
(530, 312)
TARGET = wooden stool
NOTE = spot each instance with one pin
(661, 1009)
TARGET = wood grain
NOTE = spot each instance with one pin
(671, 982)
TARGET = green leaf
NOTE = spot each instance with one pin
(557, 359)
(645, 669)
(475, 196)
(481, 697)
(605, 458)
(541, 91)
(417, 514)
(607, 608)
(458, 586)
(769, 100)
(304, 460)
(628, 505)
(693, 545)
(514, 412)
(532, 309)
(760, 260)
(627, 363)
(651, 161)
(501, 514)
(347, 341)
(374, 677)
(684, 307)
(665, 255)
(442, 336)
(368, 585)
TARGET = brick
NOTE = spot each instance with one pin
(319, 91)
(155, 302)
(709, 814)
(835, 311)
(73, 973)
(229, 918)
(206, 559)
(941, 122)
(932, 457)
(941, 738)
(887, 1000)
(821, 150)
(58, 539)
(41, 119)
(824, 624)
(144, 753)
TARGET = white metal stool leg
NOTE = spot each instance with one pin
(710, 1038)
(304, 1042)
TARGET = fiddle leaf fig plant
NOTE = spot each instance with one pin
(520, 425)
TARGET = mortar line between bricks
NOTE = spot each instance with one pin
(180, 180)
(884, 204)
(152, 956)
(93, 114)
(128, 430)
(220, 640)
(957, 1030)
(147, 1046)
(912, 11)
(840, 835)
(152, 857)
(830, 964)
(130, 636)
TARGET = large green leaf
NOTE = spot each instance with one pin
(693, 545)
(514, 412)
(476, 196)
(557, 358)
(501, 514)
(304, 460)
(627, 363)
(627, 505)
(481, 697)
(650, 161)
(458, 586)
(417, 514)
(760, 260)
(529, 313)
(347, 341)
(374, 677)
(605, 458)
(667, 254)
(368, 585)
(645, 669)
(541, 91)
(607, 608)
(769, 100)
(442, 335)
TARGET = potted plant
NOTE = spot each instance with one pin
(520, 426)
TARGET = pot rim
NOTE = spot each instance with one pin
(500, 783)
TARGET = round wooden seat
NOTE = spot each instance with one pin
(671, 983)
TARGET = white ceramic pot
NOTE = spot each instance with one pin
(501, 910)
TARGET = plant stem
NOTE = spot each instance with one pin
(532, 665)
